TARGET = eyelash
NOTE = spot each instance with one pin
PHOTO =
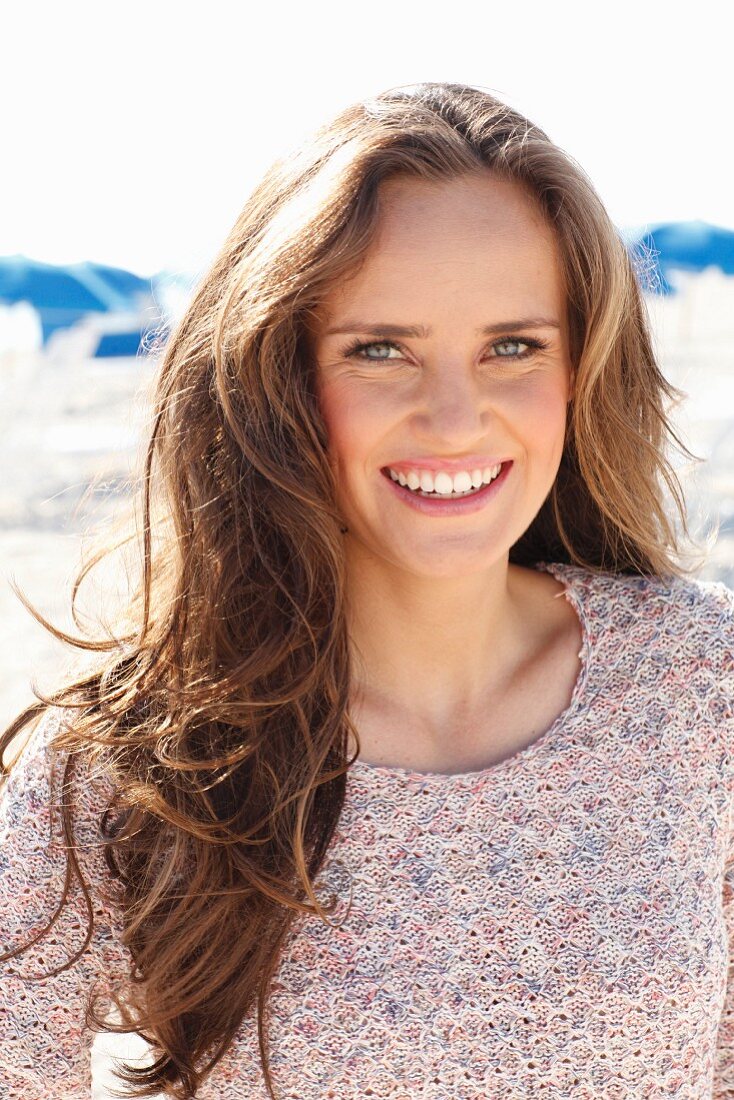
(532, 343)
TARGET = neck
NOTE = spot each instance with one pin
(432, 647)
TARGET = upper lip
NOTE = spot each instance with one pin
(449, 466)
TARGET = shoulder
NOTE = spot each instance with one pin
(683, 611)
(36, 877)
(680, 622)
(632, 597)
(45, 778)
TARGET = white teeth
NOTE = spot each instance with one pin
(443, 484)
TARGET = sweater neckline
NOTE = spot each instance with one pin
(570, 576)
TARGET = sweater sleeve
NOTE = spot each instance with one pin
(44, 1043)
(723, 655)
(724, 1064)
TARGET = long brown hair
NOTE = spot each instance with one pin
(220, 706)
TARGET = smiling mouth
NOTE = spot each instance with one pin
(432, 494)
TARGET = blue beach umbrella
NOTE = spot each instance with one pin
(682, 246)
(62, 295)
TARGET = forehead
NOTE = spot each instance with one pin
(471, 240)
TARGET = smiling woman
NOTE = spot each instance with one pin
(463, 400)
(413, 634)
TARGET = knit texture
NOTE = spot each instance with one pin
(556, 925)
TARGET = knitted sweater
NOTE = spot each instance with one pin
(556, 925)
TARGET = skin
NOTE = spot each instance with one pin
(459, 658)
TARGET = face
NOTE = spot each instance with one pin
(446, 356)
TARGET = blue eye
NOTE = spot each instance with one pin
(356, 350)
(511, 344)
(530, 344)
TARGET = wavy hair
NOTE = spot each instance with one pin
(220, 703)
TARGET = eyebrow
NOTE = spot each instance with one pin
(421, 332)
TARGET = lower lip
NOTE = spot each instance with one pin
(460, 506)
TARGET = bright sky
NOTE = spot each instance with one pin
(132, 133)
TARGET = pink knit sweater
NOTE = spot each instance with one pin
(556, 925)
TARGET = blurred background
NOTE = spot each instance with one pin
(133, 133)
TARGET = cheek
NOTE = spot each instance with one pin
(538, 413)
(353, 420)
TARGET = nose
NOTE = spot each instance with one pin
(454, 410)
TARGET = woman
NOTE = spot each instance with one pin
(410, 771)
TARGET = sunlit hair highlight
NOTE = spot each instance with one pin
(219, 708)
